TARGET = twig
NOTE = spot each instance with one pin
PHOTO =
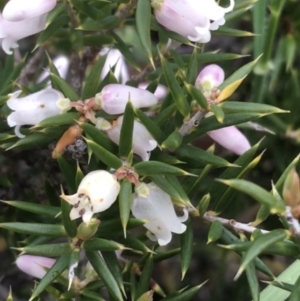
(293, 222)
(193, 122)
(238, 227)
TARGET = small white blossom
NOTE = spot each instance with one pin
(157, 209)
(97, 191)
(114, 97)
(20, 10)
(142, 141)
(32, 109)
(21, 19)
(191, 18)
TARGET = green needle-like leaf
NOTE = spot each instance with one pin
(144, 283)
(125, 200)
(59, 266)
(263, 242)
(176, 91)
(186, 245)
(104, 155)
(143, 20)
(256, 192)
(157, 168)
(103, 271)
(125, 145)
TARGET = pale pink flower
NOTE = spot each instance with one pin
(210, 77)
(231, 138)
(35, 266)
(114, 97)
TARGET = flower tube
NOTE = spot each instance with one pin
(32, 109)
(231, 138)
(114, 97)
(152, 204)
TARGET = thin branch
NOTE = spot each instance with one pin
(187, 126)
(238, 227)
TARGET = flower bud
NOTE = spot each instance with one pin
(231, 138)
(68, 138)
(291, 189)
(114, 97)
(34, 108)
(97, 191)
(19, 10)
(34, 265)
(115, 60)
(191, 18)
(210, 77)
(155, 206)
(87, 231)
(142, 141)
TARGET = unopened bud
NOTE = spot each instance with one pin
(69, 137)
(291, 189)
(86, 231)
(210, 77)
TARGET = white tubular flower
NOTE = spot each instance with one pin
(142, 142)
(32, 109)
(34, 265)
(114, 97)
(115, 59)
(61, 63)
(97, 191)
(191, 18)
(155, 206)
(11, 32)
(231, 138)
(20, 10)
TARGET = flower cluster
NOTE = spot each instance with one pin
(21, 19)
(99, 189)
(194, 19)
